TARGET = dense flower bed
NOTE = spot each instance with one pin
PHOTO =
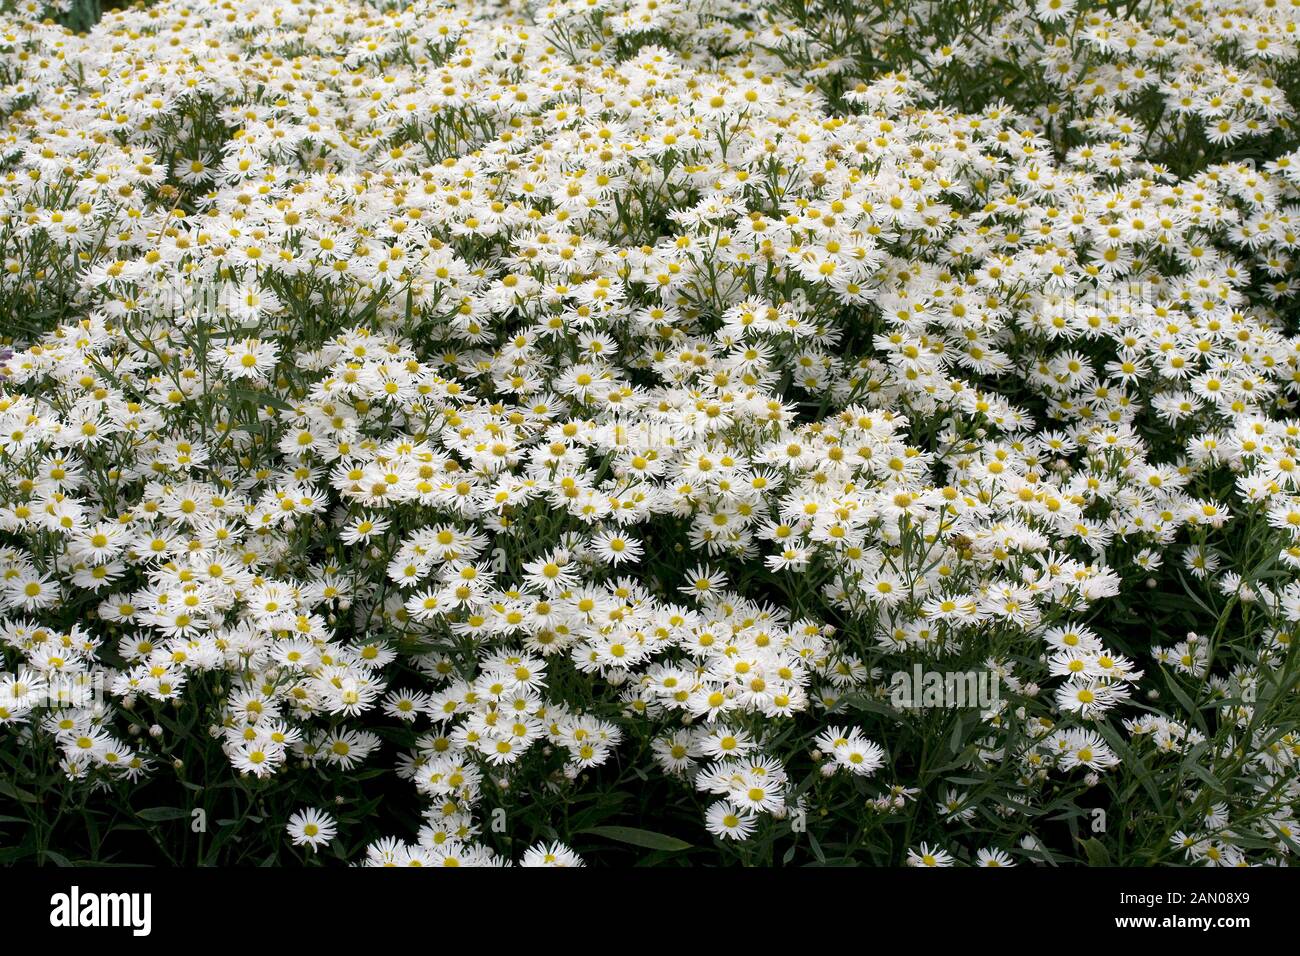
(504, 411)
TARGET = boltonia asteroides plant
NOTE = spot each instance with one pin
(588, 431)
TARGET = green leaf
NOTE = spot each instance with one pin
(1133, 761)
(1097, 853)
(956, 741)
(242, 332)
(1185, 702)
(261, 398)
(159, 814)
(1210, 780)
(850, 702)
(15, 793)
(644, 838)
(816, 848)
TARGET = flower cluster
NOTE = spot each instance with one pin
(556, 388)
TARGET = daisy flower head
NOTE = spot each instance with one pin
(728, 822)
(312, 828)
(551, 855)
(928, 856)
